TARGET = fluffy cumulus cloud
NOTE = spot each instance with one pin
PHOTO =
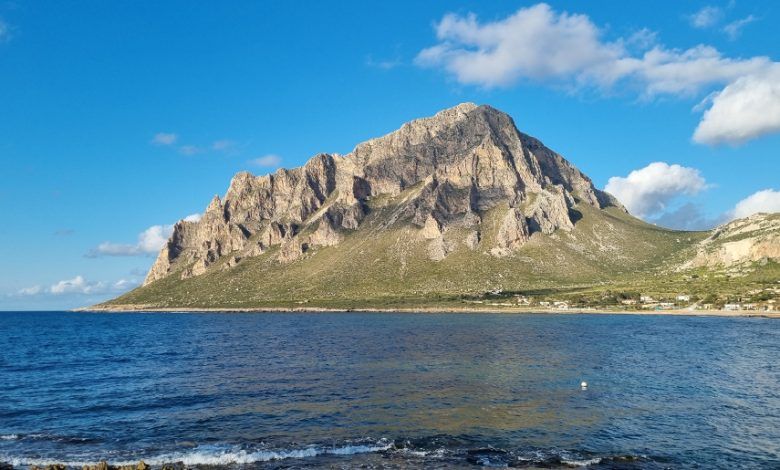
(269, 160)
(534, 43)
(767, 200)
(539, 44)
(648, 191)
(744, 110)
(149, 242)
(164, 138)
(77, 285)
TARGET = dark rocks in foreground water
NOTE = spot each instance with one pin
(102, 465)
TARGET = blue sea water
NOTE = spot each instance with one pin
(389, 390)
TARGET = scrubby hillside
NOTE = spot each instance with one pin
(444, 209)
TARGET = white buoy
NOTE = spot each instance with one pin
(584, 385)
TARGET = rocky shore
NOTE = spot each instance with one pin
(469, 309)
(102, 465)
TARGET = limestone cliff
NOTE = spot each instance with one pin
(451, 169)
(742, 240)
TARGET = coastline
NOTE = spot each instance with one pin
(470, 310)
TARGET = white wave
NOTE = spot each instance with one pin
(438, 453)
(9, 437)
(218, 455)
(581, 463)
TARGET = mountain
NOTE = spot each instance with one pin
(442, 210)
(753, 238)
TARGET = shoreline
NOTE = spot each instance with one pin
(469, 310)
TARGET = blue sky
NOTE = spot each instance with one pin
(119, 118)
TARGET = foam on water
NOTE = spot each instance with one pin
(581, 463)
(217, 455)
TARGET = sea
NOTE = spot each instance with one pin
(384, 390)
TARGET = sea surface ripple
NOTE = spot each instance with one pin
(380, 390)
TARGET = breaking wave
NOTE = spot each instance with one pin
(218, 455)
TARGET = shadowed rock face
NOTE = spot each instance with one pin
(450, 169)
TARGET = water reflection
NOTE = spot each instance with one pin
(399, 387)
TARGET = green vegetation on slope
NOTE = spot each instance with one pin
(381, 266)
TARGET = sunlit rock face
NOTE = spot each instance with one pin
(450, 169)
(753, 238)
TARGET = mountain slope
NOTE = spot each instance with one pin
(740, 241)
(442, 209)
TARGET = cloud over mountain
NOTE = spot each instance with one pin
(150, 241)
(648, 191)
(538, 44)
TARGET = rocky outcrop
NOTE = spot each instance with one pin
(512, 233)
(753, 238)
(451, 168)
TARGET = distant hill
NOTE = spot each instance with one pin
(440, 212)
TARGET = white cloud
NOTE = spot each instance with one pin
(5, 31)
(123, 285)
(77, 285)
(534, 43)
(767, 200)
(223, 145)
(734, 29)
(649, 190)
(744, 110)
(538, 43)
(384, 64)
(114, 249)
(150, 242)
(541, 45)
(33, 290)
(269, 160)
(189, 150)
(164, 138)
(707, 17)
(674, 72)
(154, 238)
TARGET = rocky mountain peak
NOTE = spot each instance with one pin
(439, 173)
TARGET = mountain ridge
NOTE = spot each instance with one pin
(467, 158)
(444, 210)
